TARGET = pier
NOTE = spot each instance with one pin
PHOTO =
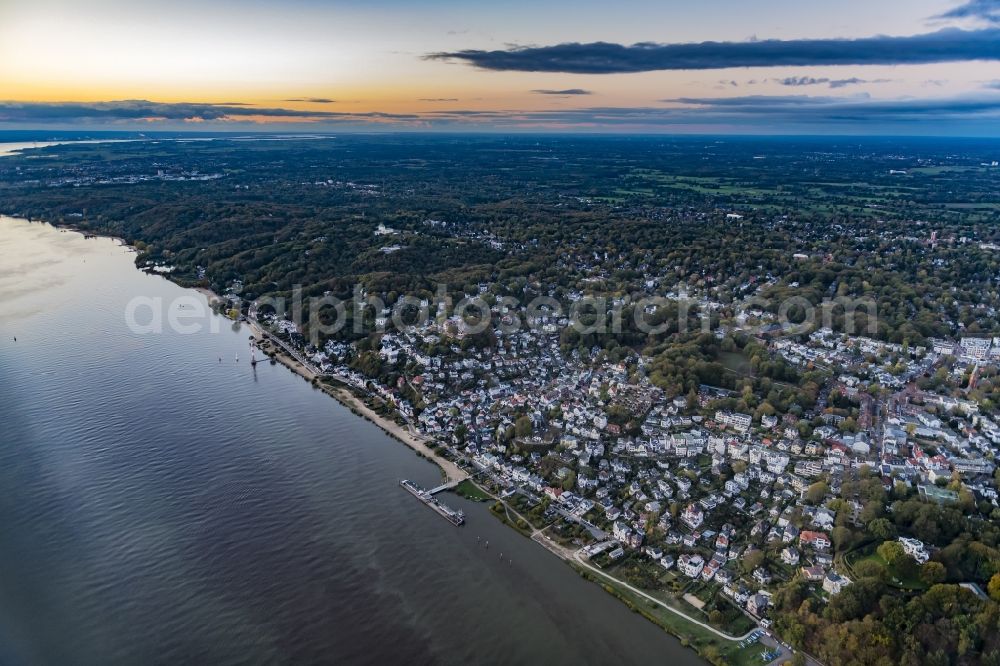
(444, 486)
(451, 485)
(454, 517)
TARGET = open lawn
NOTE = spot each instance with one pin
(711, 647)
(470, 490)
(736, 362)
(911, 583)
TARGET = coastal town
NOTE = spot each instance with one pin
(713, 507)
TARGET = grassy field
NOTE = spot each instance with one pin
(912, 583)
(698, 184)
(986, 205)
(830, 198)
(713, 648)
(470, 490)
(736, 362)
(499, 509)
(934, 170)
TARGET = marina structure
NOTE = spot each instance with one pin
(454, 517)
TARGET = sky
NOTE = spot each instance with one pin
(921, 67)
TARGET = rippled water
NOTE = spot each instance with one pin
(160, 506)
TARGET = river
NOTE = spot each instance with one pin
(158, 505)
(12, 148)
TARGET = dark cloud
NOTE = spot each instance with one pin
(755, 113)
(566, 92)
(787, 113)
(860, 108)
(438, 99)
(946, 45)
(853, 81)
(142, 110)
(832, 83)
(801, 81)
(311, 100)
(983, 10)
(759, 101)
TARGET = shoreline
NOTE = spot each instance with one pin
(453, 472)
(450, 471)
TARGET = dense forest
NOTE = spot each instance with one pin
(897, 611)
(816, 219)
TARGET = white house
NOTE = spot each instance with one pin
(915, 549)
(834, 583)
(693, 516)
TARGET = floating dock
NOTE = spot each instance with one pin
(454, 517)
